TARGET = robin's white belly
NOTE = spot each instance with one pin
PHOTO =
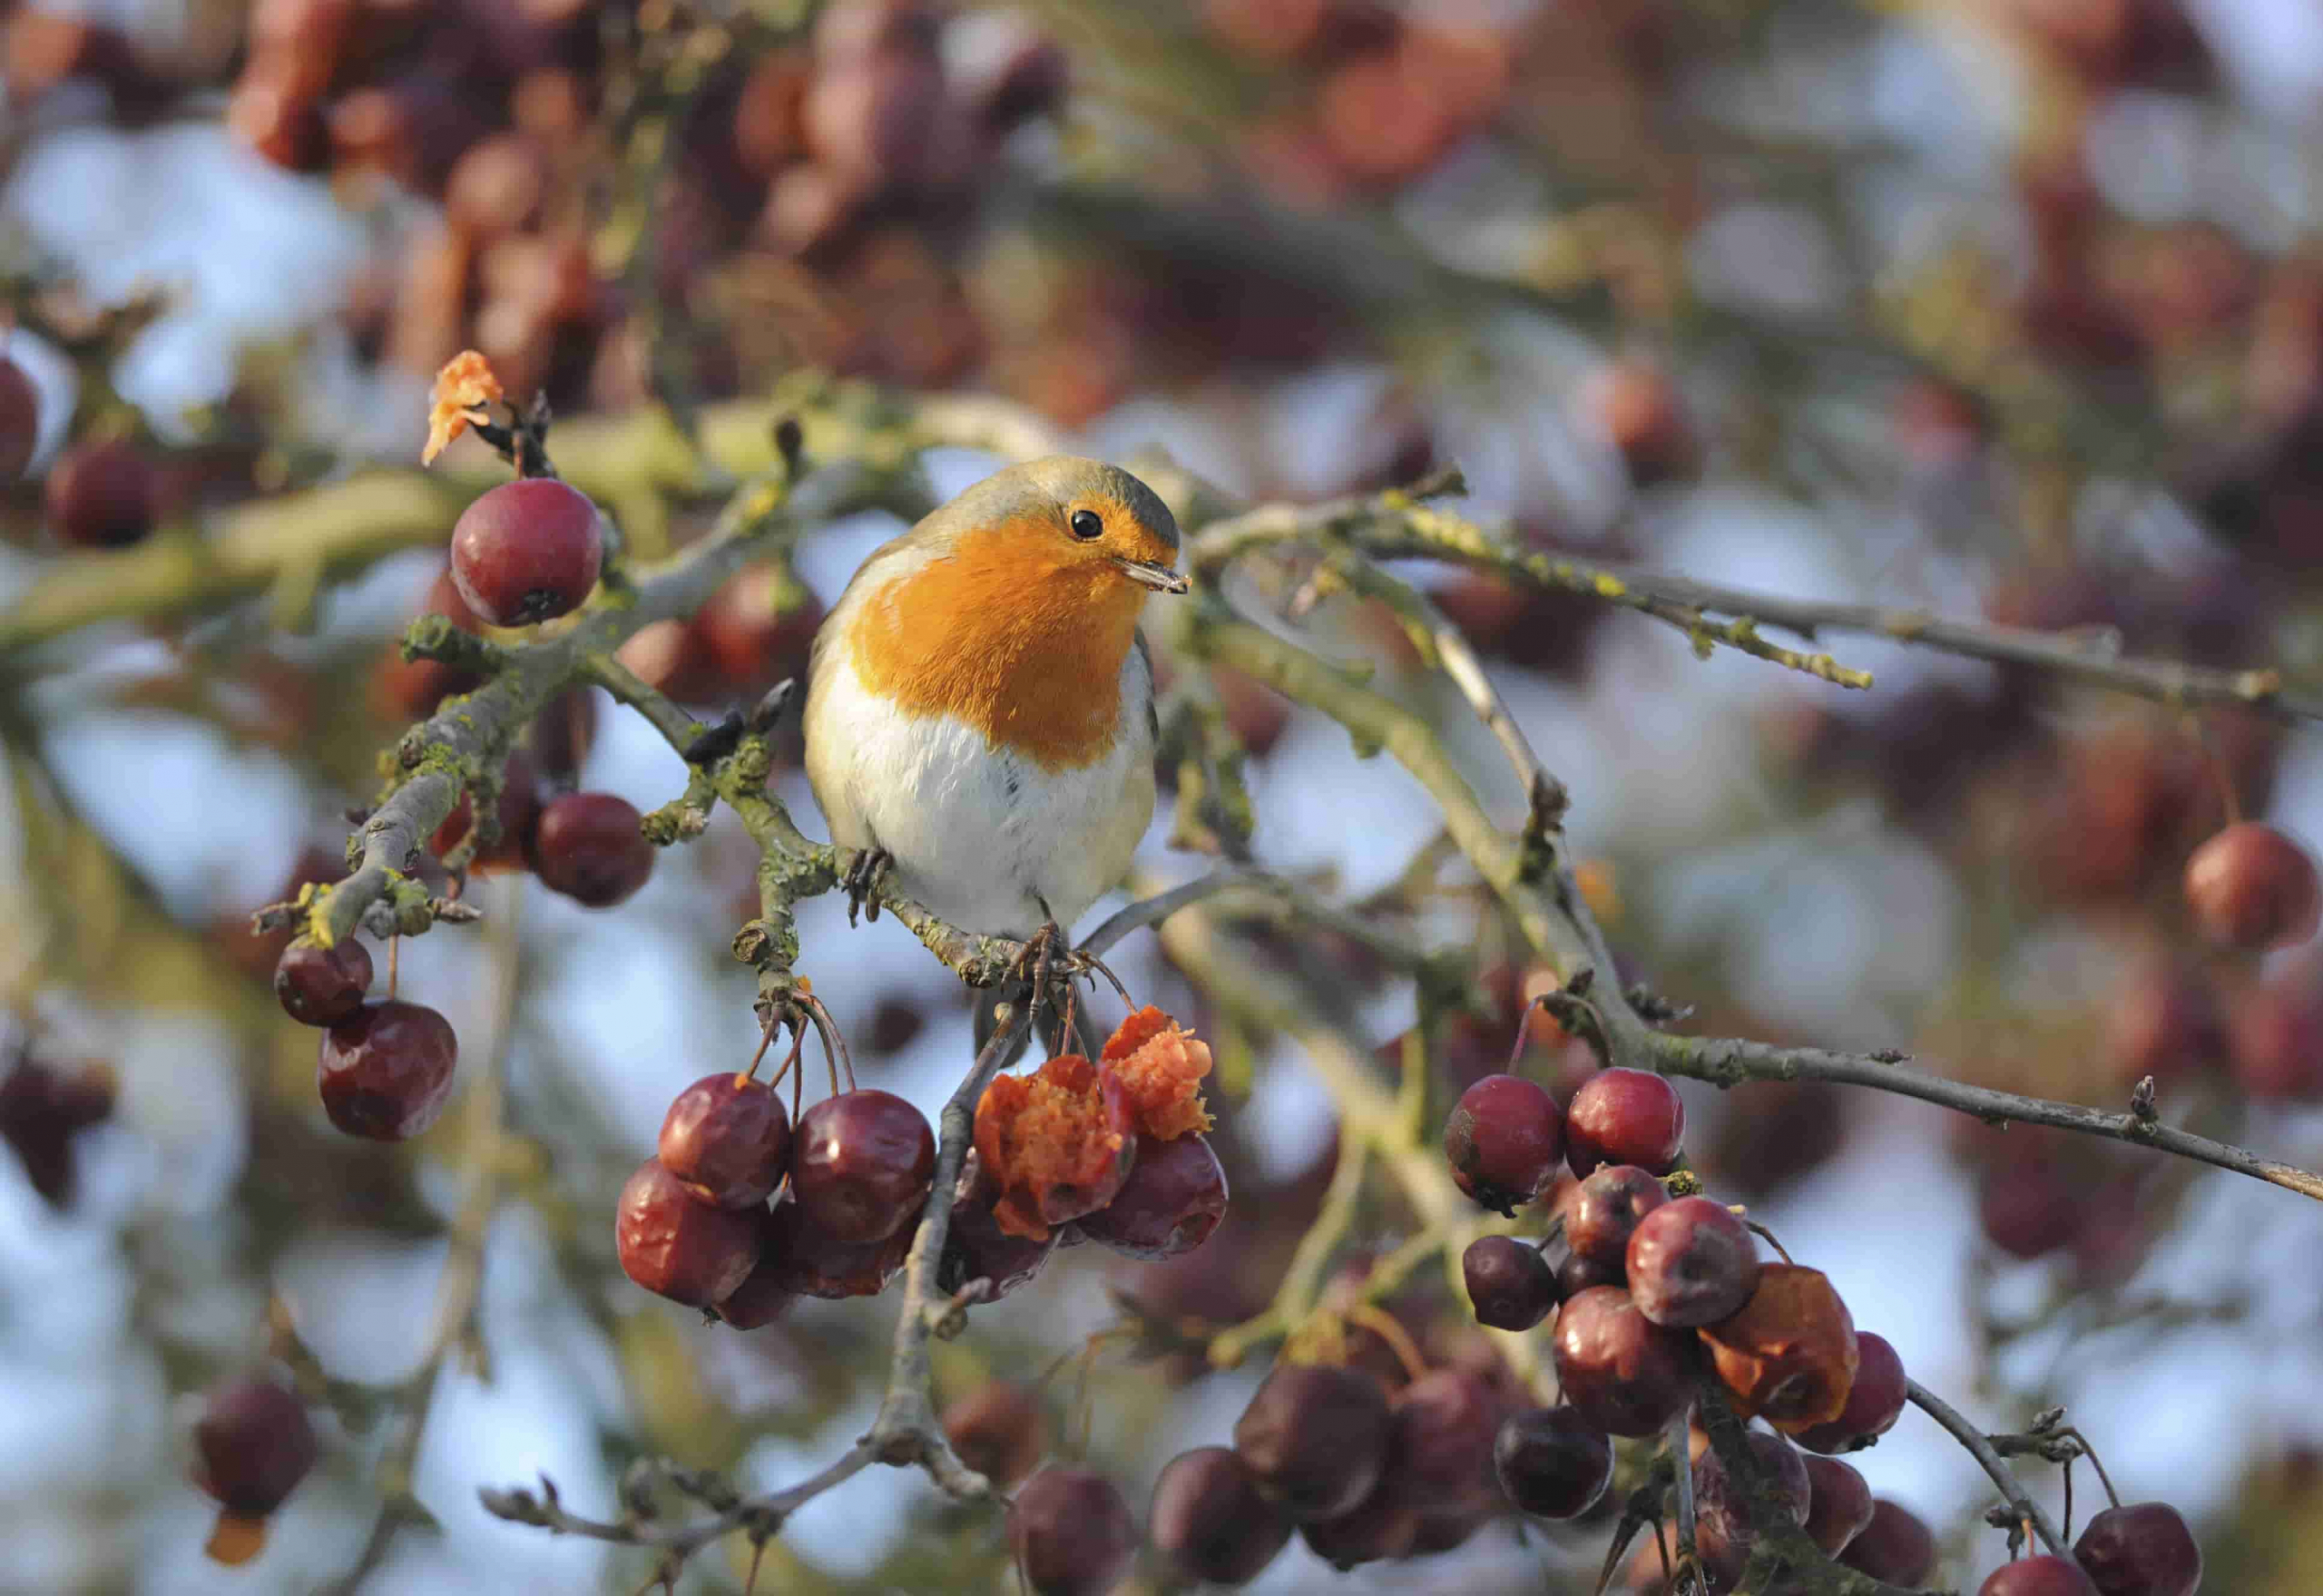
(981, 835)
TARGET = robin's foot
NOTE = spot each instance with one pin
(862, 882)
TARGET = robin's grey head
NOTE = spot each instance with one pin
(1063, 510)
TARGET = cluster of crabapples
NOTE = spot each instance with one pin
(523, 552)
(1656, 1296)
(740, 1213)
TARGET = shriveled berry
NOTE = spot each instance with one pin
(1624, 1117)
(1552, 1462)
(1724, 1533)
(1691, 1263)
(1072, 1532)
(811, 1261)
(102, 494)
(1440, 1448)
(999, 1431)
(1875, 1400)
(1782, 1474)
(2252, 887)
(677, 1246)
(1618, 1369)
(384, 1071)
(1510, 1284)
(2143, 1549)
(1209, 1519)
(319, 986)
(862, 1165)
(2046, 1575)
(19, 420)
(728, 1139)
(1503, 1141)
(1791, 1353)
(1838, 1502)
(1174, 1199)
(526, 551)
(1316, 1436)
(254, 1444)
(1896, 1545)
(1604, 1211)
(588, 846)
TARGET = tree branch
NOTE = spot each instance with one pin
(1723, 1061)
(1396, 524)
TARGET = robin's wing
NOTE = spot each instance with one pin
(1152, 709)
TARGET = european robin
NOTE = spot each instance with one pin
(980, 708)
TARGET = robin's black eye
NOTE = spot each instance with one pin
(1087, 524)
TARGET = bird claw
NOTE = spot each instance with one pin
(862, 883)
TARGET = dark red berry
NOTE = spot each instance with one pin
(1894, 1546)
(2142, 1549)
(1875, 1401)
(758, 629)
(1838, 1502)
(385, 1070)
(999, 1431)
(1510, 1284)
(1072, 1532)
(1376, 1528)
(1174, 1199)
(728, 1139)
(808, 1259)
(41, 1109)
(254, 1444)
(1604, 1211)
(1551, 1462)
(526, 551)
(1624, 1117)
(19, 420)
(1692, 1263)
(976, 1248)
(2037, 1576)
(1503, 1141)
(1316, 1436)
(678, 1247)
(762, 1297)
(862, 1165)
(2252, 887)
(1624, 1372)
(1440, 1449)
(1209, 1520)
(319, 986)
(588, 846)
(102, 494)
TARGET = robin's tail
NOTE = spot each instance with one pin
(1085, 1039)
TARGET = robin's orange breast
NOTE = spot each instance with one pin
(1022, 644)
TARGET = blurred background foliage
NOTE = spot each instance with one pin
(2009, 308)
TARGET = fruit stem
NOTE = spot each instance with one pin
(2111, 1496)
(1382, 1325)
(1757, 1229)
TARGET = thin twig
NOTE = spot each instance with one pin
(1972, 1439)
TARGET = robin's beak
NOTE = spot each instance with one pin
(1152, 574)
